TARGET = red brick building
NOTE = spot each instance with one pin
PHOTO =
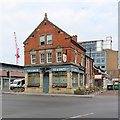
(89, 72)
(54, 61)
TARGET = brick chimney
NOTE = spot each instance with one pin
(46, 18)
(74, 37)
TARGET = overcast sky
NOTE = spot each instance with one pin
(89, 20)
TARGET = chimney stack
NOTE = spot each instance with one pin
(46, 18)
(74, 37)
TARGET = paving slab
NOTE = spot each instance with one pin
(46, 94)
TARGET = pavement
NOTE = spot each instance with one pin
(100, 93)
(109, 93)
(46, 94)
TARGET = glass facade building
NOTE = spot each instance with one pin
(95, 50)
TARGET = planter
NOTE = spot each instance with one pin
(33, 85)
(18, 90)
(59, 86)
(79, 92)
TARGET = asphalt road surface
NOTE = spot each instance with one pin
(28, 106)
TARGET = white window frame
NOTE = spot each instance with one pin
(49, 39)
(33, 59)
(40, 58)
(57, 57)
(49, 58)
(44, 39)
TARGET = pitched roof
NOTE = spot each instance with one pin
(45, 19)
(75, 43)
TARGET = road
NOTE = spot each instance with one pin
(28, 106)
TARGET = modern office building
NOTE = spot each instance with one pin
(95, 49)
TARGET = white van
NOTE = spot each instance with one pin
(17, 83)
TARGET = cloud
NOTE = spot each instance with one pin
(89, 20)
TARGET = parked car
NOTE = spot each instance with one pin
(17, 83)
(110, 87)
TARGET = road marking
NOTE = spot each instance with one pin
(82, 115)
(79, 116)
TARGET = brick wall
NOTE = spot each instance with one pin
(58, 39)
(87, 71)
(12, 74)
(112, 63)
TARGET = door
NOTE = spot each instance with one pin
(96, 83)
(5, 83)
(46, 82)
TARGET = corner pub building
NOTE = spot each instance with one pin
(54, 61)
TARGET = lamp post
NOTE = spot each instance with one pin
(90, 67)
(9, 77)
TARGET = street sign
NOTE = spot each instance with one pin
(64, 57)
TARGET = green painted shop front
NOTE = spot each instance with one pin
(59, 77)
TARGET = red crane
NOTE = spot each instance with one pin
(17, 49)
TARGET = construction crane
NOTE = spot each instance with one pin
(17, 49)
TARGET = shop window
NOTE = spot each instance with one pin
(5, 83)
(42, 40)
(59, 57)
(49, 58)
(59, 79)
(33, 79)
(75, 79)
(49, 39)
(33, 59)
(42, 58)
(81, 79)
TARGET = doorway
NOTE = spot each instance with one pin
(46, 82)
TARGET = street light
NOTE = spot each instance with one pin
(90, 67)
